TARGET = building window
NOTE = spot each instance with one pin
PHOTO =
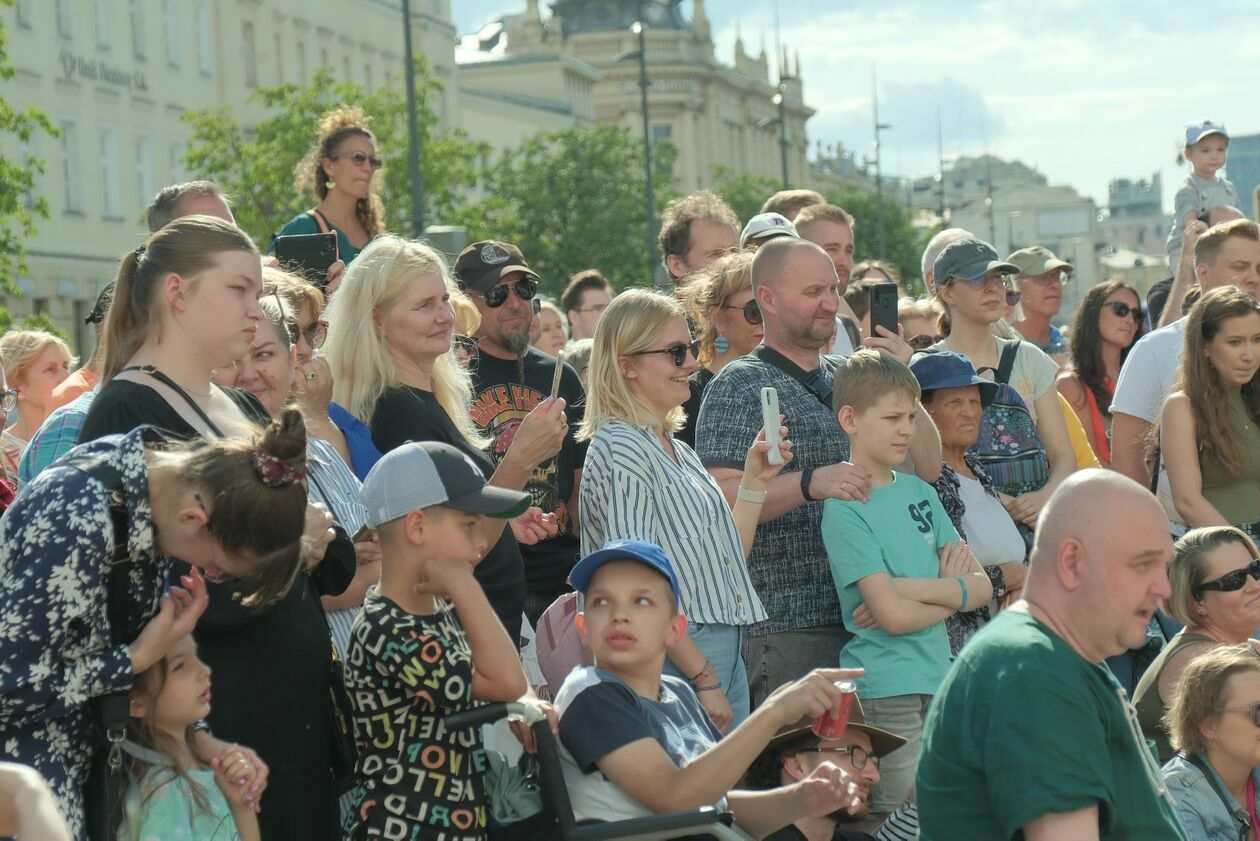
(137, 28)
(101, 8)
(345, 68)
(247, 47)
(205, 39)
(63, 18)
(111, 198)
(170, 27)
(323, 57)
(367, 75)
(145, 185)
(175, 162)
(71, 180)
(29, 155)
(23, 11)
(661, 131)
(301, 58)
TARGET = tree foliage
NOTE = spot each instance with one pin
(743, 191)
(256, 165)
(571, 200)
(904, 242)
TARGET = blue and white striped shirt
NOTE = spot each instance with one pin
(333, 485)
(631, 488)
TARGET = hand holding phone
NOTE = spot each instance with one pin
(308, 255)
(770, 422)
(883, 307)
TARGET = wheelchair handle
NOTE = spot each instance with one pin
(513, 710)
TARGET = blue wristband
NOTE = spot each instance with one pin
(963, 585)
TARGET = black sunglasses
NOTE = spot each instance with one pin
(676, 352)
(1230, 581)
(1253, 710)
(526, 289)
(923, 341)
(1012, 297)
(1123, 310)
(359, 159)
(752, 312)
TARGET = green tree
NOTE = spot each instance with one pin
(256, 165)
(36, 321)
(572, 199)
(20, 208)
(904, 242)
(743, 191)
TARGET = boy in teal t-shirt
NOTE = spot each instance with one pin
(897, 563)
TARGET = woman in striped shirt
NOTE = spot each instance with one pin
(638, 481)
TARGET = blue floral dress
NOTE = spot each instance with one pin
(56, 542)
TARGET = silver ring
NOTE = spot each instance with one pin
(312, 375)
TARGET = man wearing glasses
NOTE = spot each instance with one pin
(510, 378)
(584, 301)
(1040, 282)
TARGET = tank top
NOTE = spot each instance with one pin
(1237, 498)
(1150, 707)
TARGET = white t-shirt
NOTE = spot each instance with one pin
(1032, 375)
(843, 345)
(991, 533)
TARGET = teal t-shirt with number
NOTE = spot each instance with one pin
(899, 531)
(1024, 726)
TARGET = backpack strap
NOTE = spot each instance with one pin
(1006, 362)
(321, 221)
(117, 599)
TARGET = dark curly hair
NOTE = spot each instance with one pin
(334, 127)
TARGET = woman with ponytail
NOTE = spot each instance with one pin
(232, 509)
(342, 169)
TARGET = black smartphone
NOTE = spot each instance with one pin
(307, 255)
(883, 308)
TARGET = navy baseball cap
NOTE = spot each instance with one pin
(623, 550)
(946, 369)
(969, 259)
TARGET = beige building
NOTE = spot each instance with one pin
(716, 114)
(115, 76)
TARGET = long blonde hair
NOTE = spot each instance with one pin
(633, 322)
(362, 368)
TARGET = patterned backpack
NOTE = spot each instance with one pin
(1009, 447)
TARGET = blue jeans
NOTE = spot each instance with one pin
(721, 645)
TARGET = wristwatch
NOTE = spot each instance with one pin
(806, 475)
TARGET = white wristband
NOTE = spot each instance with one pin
(757, 497)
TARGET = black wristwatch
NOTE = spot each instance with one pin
(806, 475)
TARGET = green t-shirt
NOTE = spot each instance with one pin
(899, 531)
(1024, 726)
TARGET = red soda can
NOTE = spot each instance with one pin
(831, 725)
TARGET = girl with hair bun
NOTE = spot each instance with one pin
(342, 170)
(232, 509)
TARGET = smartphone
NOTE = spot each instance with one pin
(307, 255)
(883, 307)
(363, 534)
(555, 379)
(770, 420)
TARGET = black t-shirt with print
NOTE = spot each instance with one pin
(501, 400)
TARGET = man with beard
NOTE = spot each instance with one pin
(794, 284)
(795, 752)
(509, 379)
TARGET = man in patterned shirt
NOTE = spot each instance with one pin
(794, 282)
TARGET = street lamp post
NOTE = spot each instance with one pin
(780, 102)
(649, 199)
(413, 128)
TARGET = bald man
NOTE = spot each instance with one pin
(794, 282)
(1030, 732)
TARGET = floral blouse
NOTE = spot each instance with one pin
(56, 542)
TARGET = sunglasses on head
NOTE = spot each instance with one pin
(526, 288)
(1253, 711)
(677, 352)
(1123, 310)
(752, 312)
(923, 341)
(1230, 581)
(360, 158)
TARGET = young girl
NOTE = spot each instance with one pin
(1209, 430)
(173, 795)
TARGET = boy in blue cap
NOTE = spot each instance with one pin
(636, 742)
(1204, 190)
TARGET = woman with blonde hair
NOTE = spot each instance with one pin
(35, 362)
(342, 169)
(553, 334)
(1209, 429)
(640, 482)
(394, 368)
(719, 300)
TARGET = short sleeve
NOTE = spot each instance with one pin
(1185, 201)
(1037, 369)
(852, 550)
(730, 417)
(945, 530)
(601, 719)
(1137, 391)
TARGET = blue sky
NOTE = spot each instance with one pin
(1084, 91)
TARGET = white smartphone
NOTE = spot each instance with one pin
(770, 420)
(555, 380)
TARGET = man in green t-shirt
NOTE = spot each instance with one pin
(1029, 733)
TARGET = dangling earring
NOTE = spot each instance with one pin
(328, 185)
(721, 344)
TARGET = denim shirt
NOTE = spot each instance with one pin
(1202, 814)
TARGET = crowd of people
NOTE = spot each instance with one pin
(279, 527)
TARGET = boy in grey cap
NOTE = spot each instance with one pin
(1206, 150)
(427, 644)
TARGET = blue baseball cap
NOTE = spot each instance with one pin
(623, 550)
(946, 369)
(1197, 131)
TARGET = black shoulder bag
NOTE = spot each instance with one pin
(107, 778)
(818, 382)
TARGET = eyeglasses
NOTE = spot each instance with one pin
(1047, 278)
(8, 399)
(593, 308)
(752, 312)
(676, 352)
(923, 341)
(315, 334)
(1123, 310)
(1253, 711)
(1230, 581)
(359, 159)
(526, 289)
(859, 757)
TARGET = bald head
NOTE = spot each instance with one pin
(777, 259)
(1087, 506)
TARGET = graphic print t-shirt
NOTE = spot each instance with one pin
(414, 779)
(501, 400)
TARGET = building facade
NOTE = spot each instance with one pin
(1244, 170)
(115, 76)
(1135, 218)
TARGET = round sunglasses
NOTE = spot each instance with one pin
(526, 288)
(359, 159)
(923, 341)
(1123, 310)
(752, 312)
(677, 352)
(1230, 581)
